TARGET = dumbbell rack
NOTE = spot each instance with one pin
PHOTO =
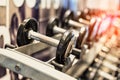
(17, 61)
(21, 63)
(105, 64)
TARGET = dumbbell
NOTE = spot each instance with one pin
(98, 63)
(52, 29)
(95, 70)
(27, 32)
(109, 57)
(84, 14)
(93, 74)
(68, 21)
(107, 64)
(91, 23)
(102, 57)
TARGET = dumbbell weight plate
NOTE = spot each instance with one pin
(67, 16)
(91, 28)
(63, 47)
(61, 54)
(50, 26)
(22, 36)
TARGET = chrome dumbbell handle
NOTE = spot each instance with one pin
(75, 24)
(43, 38)
(56, 29)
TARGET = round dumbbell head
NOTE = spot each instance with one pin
(61, 54)
(52, 22)
(91, 28)
(81, 38)
(22, 34)
(67, 16)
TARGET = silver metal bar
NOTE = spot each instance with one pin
(84, 21)
(101, 74)
(110, 66)
(107, 64)
(58, 30)
(29, 66)
(43, 38)
(106, 75)
(75, 24)
(112, 58)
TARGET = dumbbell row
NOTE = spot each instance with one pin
(84, 20)
(100, 60)
(85, 14)
(94, 71)
(27, 32)
(52, 29)
(110, 57)
(31, 34)
(107, 64)
(69, 21)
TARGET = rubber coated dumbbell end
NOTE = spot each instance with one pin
(52, 22)
(67, 16)
(22, 34)
(62, 47)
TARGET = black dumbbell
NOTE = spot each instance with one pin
(91, 23)
(93, 74)
(52, 29)
(27, 32)
(85, 14)
(68, 21)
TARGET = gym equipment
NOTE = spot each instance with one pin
(103, 67)
(27, 32)
(21, 64)
(68, 21)
(52, 29)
